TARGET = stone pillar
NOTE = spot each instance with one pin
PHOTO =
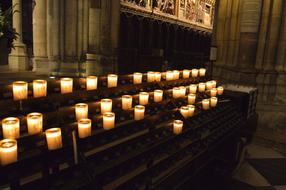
(18, 59)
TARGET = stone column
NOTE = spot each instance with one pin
(18, 59)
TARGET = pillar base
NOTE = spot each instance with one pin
(41, 65)
(97, 64)
(18, 59)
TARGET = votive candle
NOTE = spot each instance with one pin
(66, 85)
(213, 101)
(137, 78)
(105, 105)
(11, 128)
(191, 99)
(169, 75)
(8, 151)
(209, 85)
(54, 138)
(176, 92)
(150, 76)
(195, 73)
(84, 128)
(112, 80)
(158, 95)
(191, 110)
(143, 98)
(108, 120)
(178, 126)
(20, 90)
(35, 123)
(158, 76)
(183, 91)
(186, 73)
(202, 87)
(81, 111)
(91, 83)
(126, 102)
(202, 72)
(193, 88)
(206, 104)
(220, 90)
(39, 88)
(184, 110)
(139, 112)
(214, 83)
(176, 75)
(213, 92)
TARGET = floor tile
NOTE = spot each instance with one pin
(256, 151)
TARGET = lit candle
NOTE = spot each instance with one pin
(20, 90)
(186, 73)
(35, 123)
(112, 80)
(209, 85)
(66, 85)
(137, 78)
(183, 91)
(184, 110)
(39, 88)
(54, 138)
(169, 75)
(206, 104)
(126, 102)
(213, 92)
(193, 88)
(176, 92)
(176, 74)
(150, 76)
(202, 87)
(178, 126)
(158, 95)
(157, 76)
(139, 112)
(84, 128)
(220, 90)
(214, 83)
(11, 128)
(105, 105)
(195, 73)
(191, 99)
(91, 83)
(108, 120)
(191, 110)
(81, 111)
(202, 72)
(8, 151)
(213, 101)
(143, 98)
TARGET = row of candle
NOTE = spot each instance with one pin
(20, 88)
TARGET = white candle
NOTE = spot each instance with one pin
(39, 88)
(214, 83)
(191, 99)
(191, 110)
(176, 92)
(35, 123)
(126, 102)
(209, 85)
(169, 75)
(186, 73)
(84, 128)
(8, 151)
(66, 85)
(206, 104)
(112, 80)
(108, 120)
(11, 128)
(158, 95)
(91, 83)
(157, 76)
(183, 91)
(54, 138)
(195, 73)
(150, 76)
(137, 78)
(213, 92)
(193, 88)
(184, 110)
(213, 101)
(202, 87)
(220, 90)
(143, 98)
(139, 112)
(178, 126)
(20, 90)
(81, 111)
(202, 72)
(105, 105)
(176, 74)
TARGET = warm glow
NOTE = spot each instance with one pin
(112, 80)
(54, 138)
(206, 104)
(143, 98)
(39, 88)
(106, 105)
(213, 92)
(91, 83)
(183, 91)
(169, 75)
(126, 102)
(178, 126)
(193, 88)
(191, 110)
(176, 92)
(137, 78)
(176, 74)
(139, 112)
(84, 128)
(157, 76)
(11, 128)
(20, 90)
(213, 101)
(191, 99)
(209, 85)
(66, 85)
(81, 111)
(220, 90)
(35, 123)
(202, 87)
(158, 95)
(150, 76)
(184, 110)
(202, 72)
(108, 120)
(186, 73)
(195, 73)
(8, 151)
